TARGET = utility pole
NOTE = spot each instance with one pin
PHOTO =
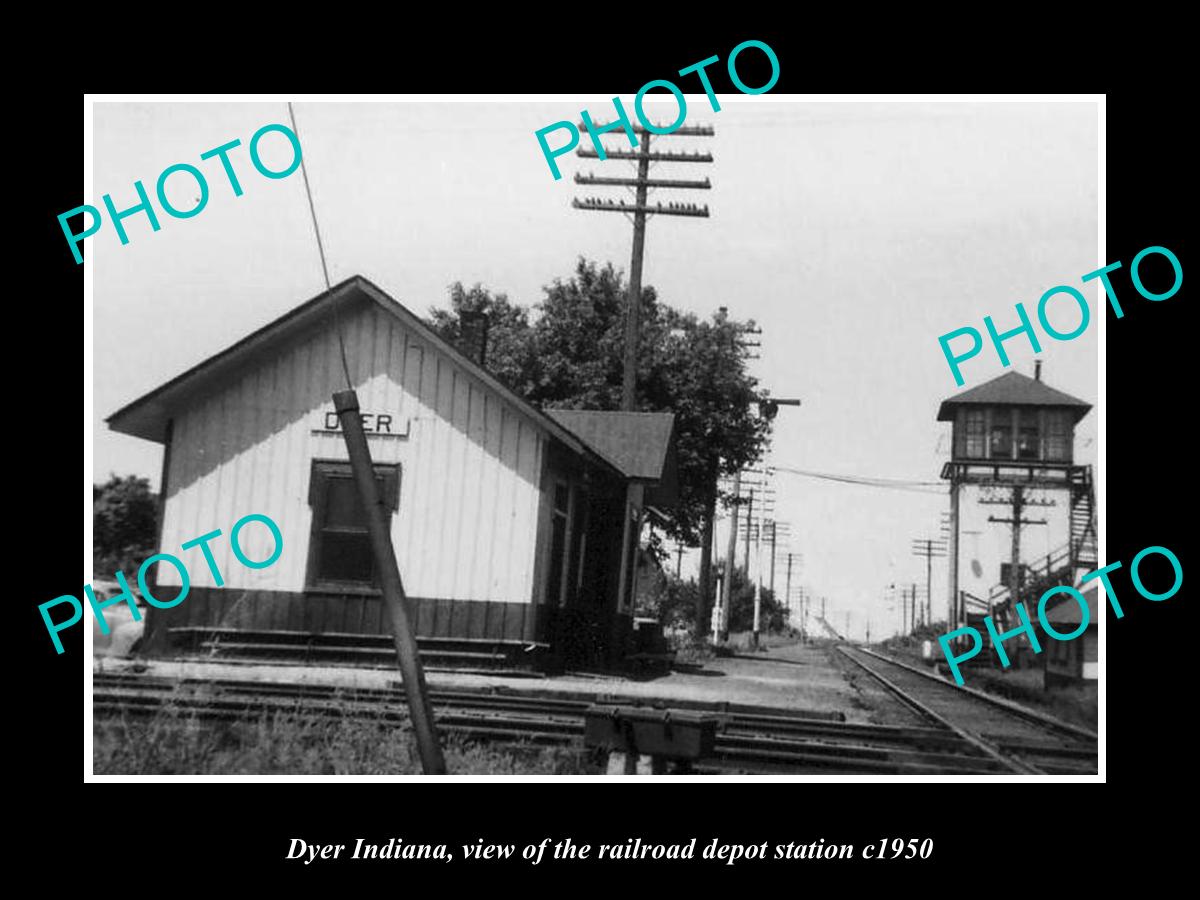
(678, 560)
(730, 555)
(749, 523)
(772, 569)
(1019, 503)
(957, 615)
(912, 608)
(757, 587)
(788, 589)
(640, 210)
(929, 548)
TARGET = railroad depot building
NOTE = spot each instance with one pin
(516, 529)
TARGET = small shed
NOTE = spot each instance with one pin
(513, 528)
(1075, 661)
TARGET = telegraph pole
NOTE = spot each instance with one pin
(1019, 503)
(749, 523)
(640, 210)
(771, 585)
(788, 588)
(929, 548)
(730, 557)
(757, 587)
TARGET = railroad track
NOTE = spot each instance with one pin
(1017, 739)
(750, 740)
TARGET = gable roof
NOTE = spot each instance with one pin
(1013, 389)
(147, 416)
(1068, 612)
(640, 444)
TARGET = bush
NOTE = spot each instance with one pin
(125, 524)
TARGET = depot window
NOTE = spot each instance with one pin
(339, 554)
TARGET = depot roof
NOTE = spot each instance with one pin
(147, 416)
(640, 444)
(1068, 611)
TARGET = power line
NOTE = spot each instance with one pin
(321, 250)
(870, 481)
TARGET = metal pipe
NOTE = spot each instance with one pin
(421, 713)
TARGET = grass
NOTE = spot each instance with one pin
(170, 743)
(690, 652)
(1077, 704)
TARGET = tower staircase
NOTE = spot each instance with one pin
(1061, 566)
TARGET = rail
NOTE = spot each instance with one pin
(1006, 751)
(749, 739)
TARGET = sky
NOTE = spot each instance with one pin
(853, 234)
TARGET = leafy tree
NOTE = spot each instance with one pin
(507, 329)
(572, 355)
(674, 605)
(773, 616)
(125, 524)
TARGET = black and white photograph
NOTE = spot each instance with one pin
(430, 439)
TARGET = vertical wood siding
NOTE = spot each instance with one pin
(469, 471)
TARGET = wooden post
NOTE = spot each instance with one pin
(955, 611)
(634, 312)
(703, 612)
(928, 582)
(788, 594)
(771, 575)
(757, 588)
(730, 553)
(1014, 570)
(749, 524)
(346, 404)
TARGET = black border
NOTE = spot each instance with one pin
(977, 828)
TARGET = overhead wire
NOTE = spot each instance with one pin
(337, 323)
(899, 484)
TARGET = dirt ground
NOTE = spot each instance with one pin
(797, 677)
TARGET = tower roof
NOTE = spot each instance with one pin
(1013, 389)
